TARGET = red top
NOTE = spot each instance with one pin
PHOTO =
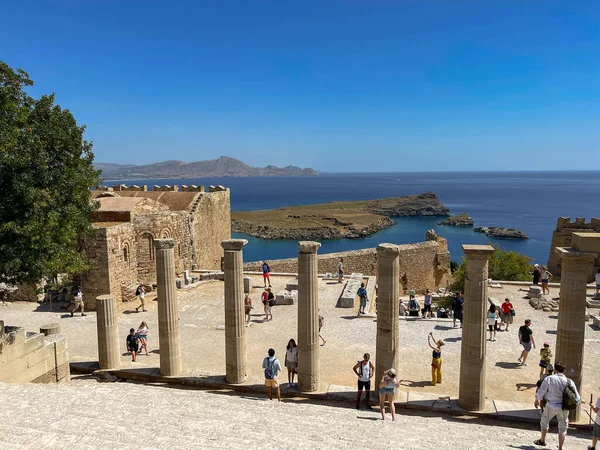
(506, 307)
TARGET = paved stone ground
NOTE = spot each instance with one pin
(91, 415)
(348, 337)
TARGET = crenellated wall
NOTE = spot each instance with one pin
(211, 224)
(562, 237)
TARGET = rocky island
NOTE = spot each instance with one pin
(336, 220)
(501, 232)
(459, 220)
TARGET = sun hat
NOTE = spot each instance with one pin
(391, 372)
(536, 265)
(546, 344)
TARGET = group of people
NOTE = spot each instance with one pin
(541, 273)
(137, 341)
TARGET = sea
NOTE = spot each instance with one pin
(529, 201)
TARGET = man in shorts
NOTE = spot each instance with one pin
(272, 367)
(551, 391)
(362, 295)
(364, 370)
(78, 299)
(526, 340)
(596, 432)
(507, 317)
(266, 269)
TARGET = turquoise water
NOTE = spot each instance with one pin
(528, 201)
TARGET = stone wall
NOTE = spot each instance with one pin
(422, 265)
(32, 357)
(97, 280)
(562, 237)
(122, 263)
(211, 222)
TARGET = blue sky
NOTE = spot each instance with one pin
(347, 85)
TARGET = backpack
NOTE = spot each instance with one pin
(412, 304)
(569, 397)
(270, 369)
(138, 291)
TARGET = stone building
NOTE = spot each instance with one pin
(563, 237)
(128, 220)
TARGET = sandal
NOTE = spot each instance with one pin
(540, 442)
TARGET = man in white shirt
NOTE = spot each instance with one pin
(551, 391)
(78, 300)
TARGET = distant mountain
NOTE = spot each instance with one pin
(222, 167)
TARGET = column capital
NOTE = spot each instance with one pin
(307, 247)
(388, 250)
(233, 244)
(569, 255)
(477, 251)
(105, 297)
(164, 244)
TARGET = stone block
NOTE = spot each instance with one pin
(596, 320)
(179, 282)
(286, 297)
(348, 297)
(50, 328)
(592, 303)
(247, 285)
(293, 286)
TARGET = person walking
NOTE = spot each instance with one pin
(546, 275)
(132, 344)
(248, 307)
(142, 334)
(362, 295)
(265, 301)
(387, 390)
(78, 300)
(364, 370)
(596, 430)
(492, 318)
(270, 304)
(427, 304)
(341, 270)
(436, 361)
(457, 309)
(507, 313)
(291, 360)
(321, 323)
(526, 340)
(272, 368)
(536, 273)
(141, 294)
(266, 269)
(552, 392)
(545, 357)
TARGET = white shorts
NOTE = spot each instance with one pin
(562, 417)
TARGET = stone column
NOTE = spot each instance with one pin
(308, 317)
(388, 295)
(471, 389)
(107, 323)
(236, 357)
(168, 312)
(575, 267)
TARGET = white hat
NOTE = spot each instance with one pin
(536, 265)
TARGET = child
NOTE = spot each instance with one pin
(142, 334)
(436, 361)
(132, 344)
(545, 357)
(402, 309)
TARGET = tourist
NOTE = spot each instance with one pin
(436, 361)
(526, 340)
(536, 273)
(364, 370)
(362, 295)
(266, 271)
(141, 294)
(492, 318)
(132, 343)
(78, 299)
(265, 302)
(321, 322)
(341, 270)
(597, 282)
(550, 396)
(272, 367)
(457, 309)
(596, 430)
(546, 275)
(248, 307)
(270, 304)
(545, 357)
(402, 308)
(507, 313)
(427, 304)
(547, 372)
(413, 307)
(142, 334)
(387, 390)
(291, 360)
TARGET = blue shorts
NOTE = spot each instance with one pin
(387, 391)
(363, 302)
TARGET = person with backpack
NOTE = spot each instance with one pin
(364, 370)
(557, 396)
(132, 343)
(413, 306)
(266, 271)
(140, 292)
(272, 368)
(362, 295)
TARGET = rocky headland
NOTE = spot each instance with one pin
(501, 232)
(336, 220)
(459, 220)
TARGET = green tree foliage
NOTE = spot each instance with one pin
(46, 173)
(503, 265)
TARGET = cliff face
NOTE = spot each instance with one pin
(221, 167)
(336, 220)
